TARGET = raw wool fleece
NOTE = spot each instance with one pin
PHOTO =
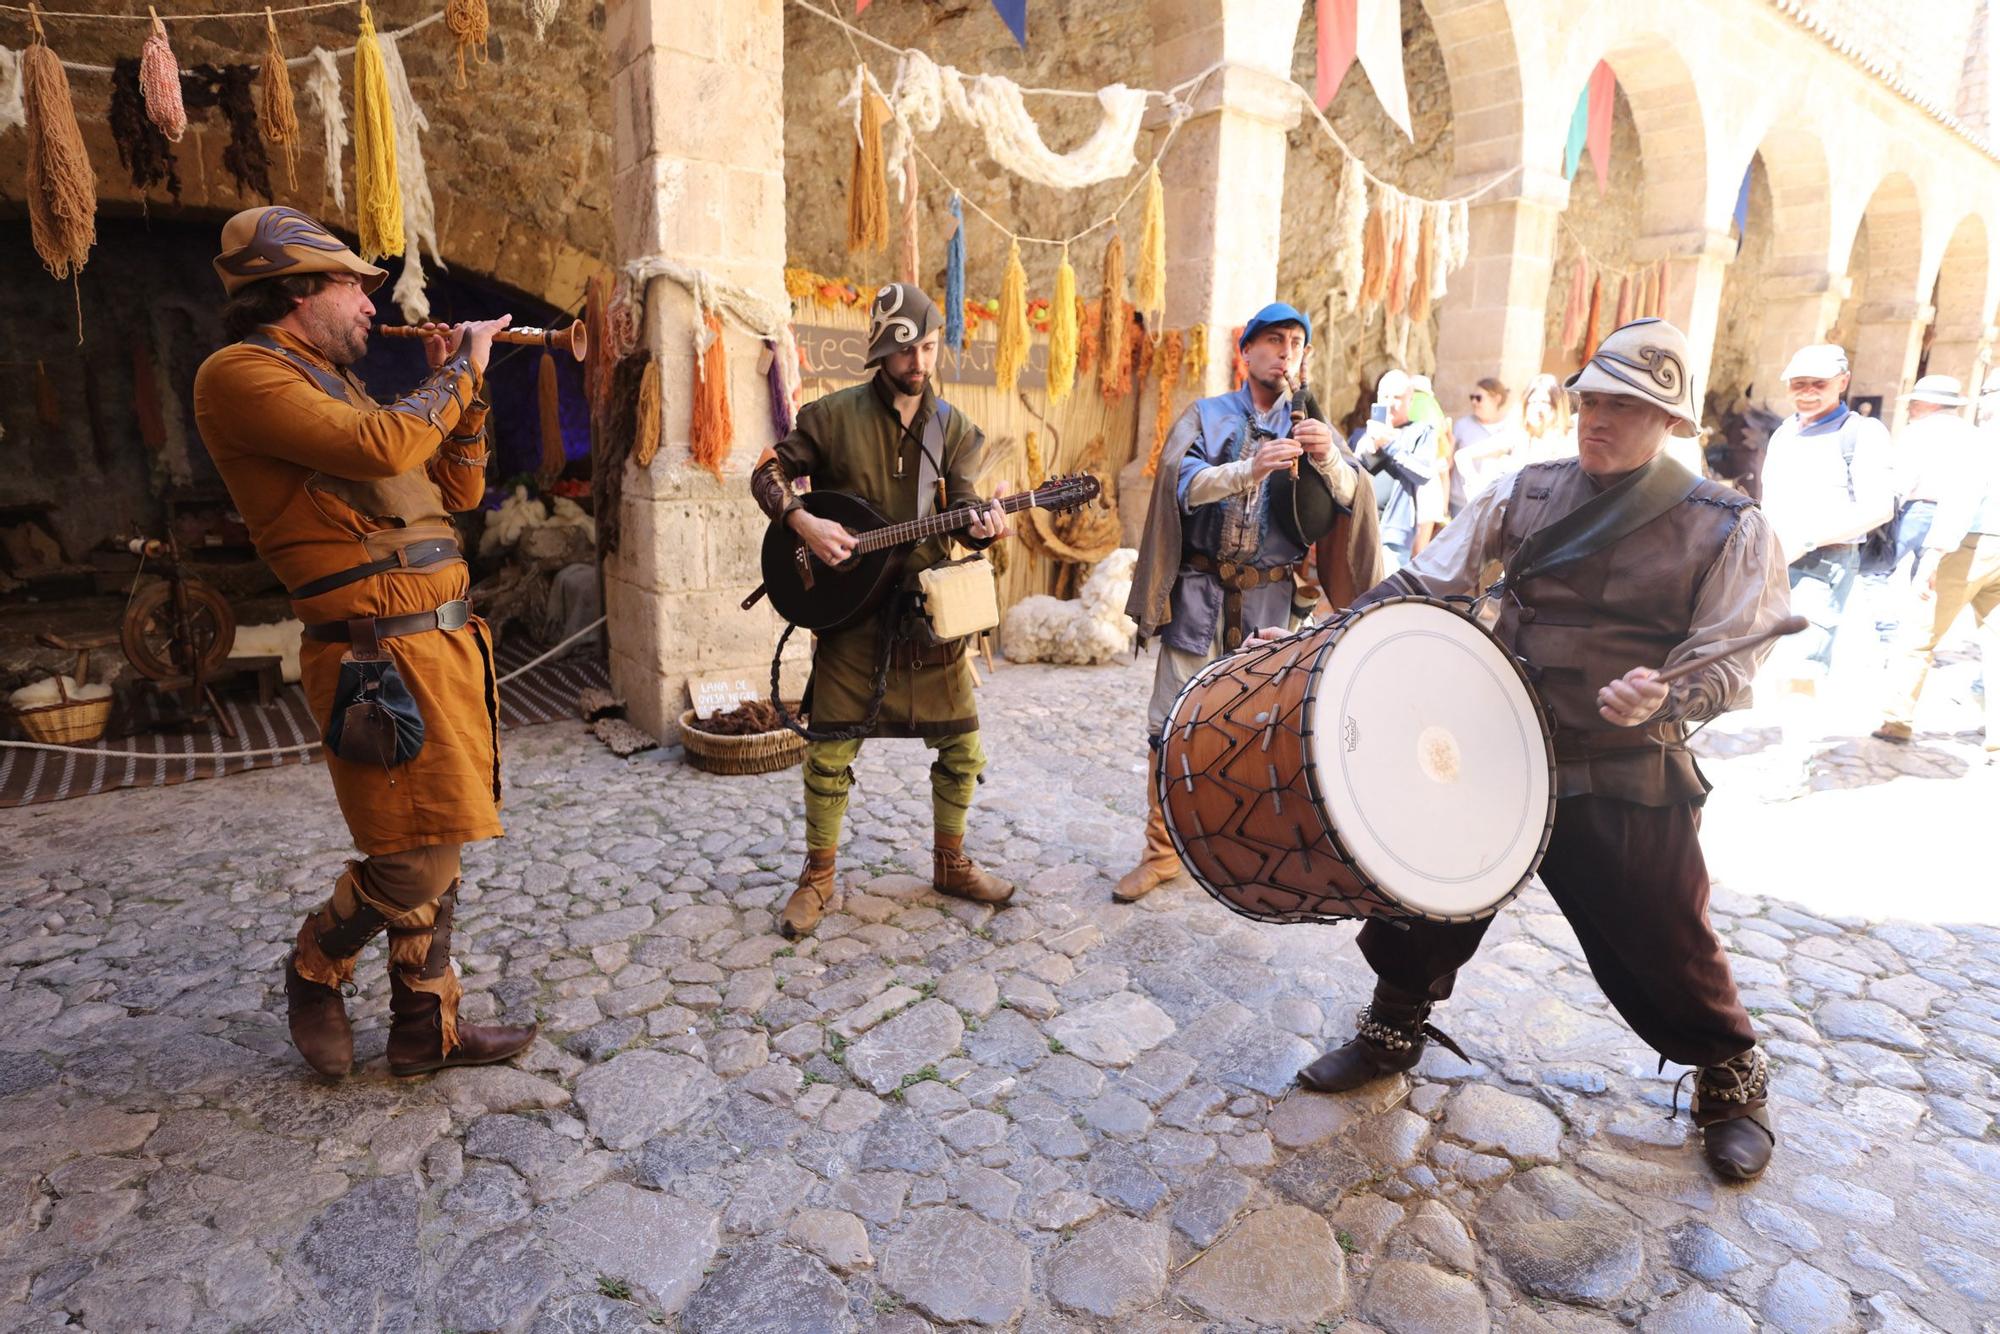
(923, 91)
(519, 513)
(1088, 631)
(13, 112)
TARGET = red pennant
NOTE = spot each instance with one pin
(1336, 22)
(1603, 91)
(860, 7)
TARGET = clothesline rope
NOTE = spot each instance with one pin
(256, 13)
(1598, 266)
(296, 62)
(1177, 98)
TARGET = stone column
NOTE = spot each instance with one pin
(698, 158)
(1224, 177)
(1887, 341)
(1491, 319)
(1798, 309)
(1696, 266)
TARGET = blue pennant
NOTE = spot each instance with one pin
(1014, 13)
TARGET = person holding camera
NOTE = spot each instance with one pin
(1227, 533)
(1404, 456)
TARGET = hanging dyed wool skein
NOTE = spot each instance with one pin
(1350, 234)
(1012, 353)
(378, 198)
(1038, 468)
(1425, 267)
(868, 180)
(542, 13)
(646, 413)
(954, 278)
(62, 188)
(1062, 333)
(277, 115)
(548, 404)
(1167, 358)
(141, 147)
(1151, 298)
(1196, 363)
(909, 260)
(710, 429)
(1114, 367)
(1089, 332)
(160, 80)
(323, 86)
(468, 23)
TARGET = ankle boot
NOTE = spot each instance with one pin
(954, 873)
(1390, 1037)
(1732, 1109)
(319, 968)
(424, 1032)
(816, 893)
(1158, 864)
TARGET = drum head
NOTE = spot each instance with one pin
(1431, 759)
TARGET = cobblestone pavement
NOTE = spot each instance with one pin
(1067, 1115)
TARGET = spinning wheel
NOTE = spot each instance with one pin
(180, 628)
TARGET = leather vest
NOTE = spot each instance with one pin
(1589, 622)
(409, 503)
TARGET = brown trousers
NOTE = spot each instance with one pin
(407, 880)
(1633, 885)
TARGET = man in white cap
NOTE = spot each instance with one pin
(1933, 453)
(1959, 567)
(1635, 564)
(1828, 480)
(883, 675)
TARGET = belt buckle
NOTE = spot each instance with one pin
(454, 615)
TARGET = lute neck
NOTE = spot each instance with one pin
(936, 525)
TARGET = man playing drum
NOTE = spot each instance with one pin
(1673, 566)
(1215, 563)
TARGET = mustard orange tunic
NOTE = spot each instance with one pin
(327, 479)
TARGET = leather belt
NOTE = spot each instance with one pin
(1236, 581)
(415, 556)
(367, 630)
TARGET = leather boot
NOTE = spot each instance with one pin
(424, 1032)
(954, 873)
(319, 968)
(1731, 1107)
(1390, 1037)
(816, 893)
(1158, 864)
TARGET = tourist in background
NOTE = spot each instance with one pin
(1545, 424)
(1483, 443)
(1402, 454)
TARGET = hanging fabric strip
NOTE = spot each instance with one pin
(1014, 13)
(1378, 45)
(1603, 98)
(954, 277)
(1335, 20)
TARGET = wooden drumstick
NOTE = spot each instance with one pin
(1791, 625)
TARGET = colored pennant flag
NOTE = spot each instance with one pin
(1579, 130)
(1336, 24)
(1014, 13)
(1378, 45)
(1742, 213)
(860, 7)
(1603, 92)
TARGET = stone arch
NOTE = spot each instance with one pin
(1795, 163)
(1658, 84)
(1482, 60)
(1882, 320)
(1956, 340)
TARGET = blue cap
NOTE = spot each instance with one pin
(1275, 313)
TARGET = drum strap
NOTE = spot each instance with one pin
(1603, 520)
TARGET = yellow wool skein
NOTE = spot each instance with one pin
(1012, 353)
(1151, 297)
(1063, 332)
(378, 197)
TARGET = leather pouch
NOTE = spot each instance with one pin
(375, 718)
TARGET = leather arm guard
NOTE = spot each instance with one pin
(773, 490)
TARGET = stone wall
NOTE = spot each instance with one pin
(519, 160)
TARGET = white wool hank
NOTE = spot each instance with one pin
(323, 86)
(542, 13)
(419, 208)
(924, 90)
(13, 112)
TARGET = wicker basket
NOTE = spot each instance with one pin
(757, 753)
(68, 723)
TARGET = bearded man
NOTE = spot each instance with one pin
(348, 501)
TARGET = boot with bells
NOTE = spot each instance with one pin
(1158, 864)
(814, 896)
(1390, 1036)
(1731, 1108)
(954, 873)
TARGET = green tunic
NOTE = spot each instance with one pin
(852, 441)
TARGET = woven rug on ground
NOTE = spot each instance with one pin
(545, 694)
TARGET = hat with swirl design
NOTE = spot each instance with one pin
(1644, 359)
(902, 314)
(278, 242)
